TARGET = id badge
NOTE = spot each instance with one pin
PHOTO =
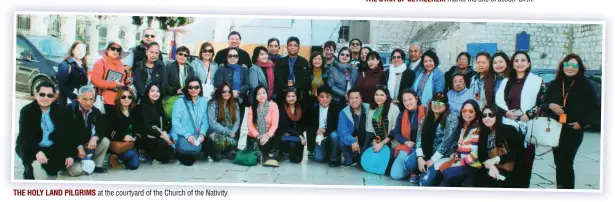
(562, 118)
(291, 83)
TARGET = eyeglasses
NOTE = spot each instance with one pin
(116, 49)
(469, 111)
(490, 115)
(396, 57)
(183, 54)
(344, 55)
(437, 103)
(574, 65)
(208, 51)
(50, 95)
(355, 44)
(126, 97)
(233, 56)
(149, 36)
(226, 91)
(194, 87)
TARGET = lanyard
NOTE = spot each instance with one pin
(208, 74)
(564, 94)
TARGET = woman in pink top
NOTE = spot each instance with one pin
(263, 118)
(108, 74)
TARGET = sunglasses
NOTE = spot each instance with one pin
(150, 36)
(116, 49)
(126, 97)
(437, 103)
(355, 44)
(470, 111)
(183, 54)
(574, 65)
(233, 56)
(50, 95)
(396, 57)
(344, 55)
(226, 91)
(490, 115)
(208, 51)
(194, 87)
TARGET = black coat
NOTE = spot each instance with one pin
(407, 79)
(119, 123)
(171, 81)
(70, 76)
(141, 76)
(514, 140)
(300, 70)
(31, 133)
(225, 74)
(244, 57)
(138, 53)
(151, 115)
(80, 131)
(448, 76)
(581, 104)
(286, 125)
(333, 115)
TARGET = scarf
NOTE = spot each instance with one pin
(261, 122)
(293, 116)
(393, 83)
(406, 124)
(318, 81)
(236, 76)
(268, 67)
(426, 92)
(378, 114)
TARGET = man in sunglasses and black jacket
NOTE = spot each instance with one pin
(137, 53)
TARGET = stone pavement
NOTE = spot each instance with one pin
(587, 168)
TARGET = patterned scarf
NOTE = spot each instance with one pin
(293, 116)
(269, 74)
(378, 114)
(261, 122)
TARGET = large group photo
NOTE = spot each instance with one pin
(301, 101)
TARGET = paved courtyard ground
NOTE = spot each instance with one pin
(587, 168)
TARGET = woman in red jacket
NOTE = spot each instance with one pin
(108, 74)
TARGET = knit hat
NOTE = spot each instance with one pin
(440, 97)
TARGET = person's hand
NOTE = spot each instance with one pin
(118, 84)
(179, 91)
(377, 147)
(128, 138)
(233, 135)
(191, 140)
(321, 131)
(575, 125)
(494, 172)
(489, 163)
(302, 140)
(355, 147)
(512, 114)
(421, 163)
(395, 101)
(525, 118)
(429, 163)
(41, 158)
(201, 138)
(81, 152)
(92, 143)
(69, 162)
(264, 139)
(409, 144)
(556, 108)
(235, 93)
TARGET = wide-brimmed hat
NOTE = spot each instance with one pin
(123, 53)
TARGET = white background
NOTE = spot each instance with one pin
(568, 10)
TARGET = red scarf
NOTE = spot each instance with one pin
(270, 75)
(293, 116)
(406, 129)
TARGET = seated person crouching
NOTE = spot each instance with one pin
(380, 123)
(155, 140)
(87, 128)
(190, 119)
(351, 128)
(223, 113)
(41, 141)
(291, 128)
(327, 140)
(263, 119)
(123, 130)
(405, 133)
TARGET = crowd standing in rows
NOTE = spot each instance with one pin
(435, 128)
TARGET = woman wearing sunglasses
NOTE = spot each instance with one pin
(238, 76)
(398, 77)
(342, 77)
(190, 119)
(123, 125)
(518, 100)
(431, 79)
(223, 113)
(292, 127)
(463, 166)
(381, 120)
(502, 146)
(434, 140)
(570, 98)
(108, 74)
(205, 68)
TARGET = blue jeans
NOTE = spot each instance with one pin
(412, 163)
(398, 169)
(456, 176)
(130, 159)
(348, 154)
(430, 178)
(328, 146)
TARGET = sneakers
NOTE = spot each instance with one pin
(100, 170)
(145, 159)
(414, 178)
(115, 163)
(311, 155)
(354, 163)
(334, 164)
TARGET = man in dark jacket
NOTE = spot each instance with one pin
(41, 142)
(176, 73)
(234, 40)
(322, 138)
(138, 53)
(273, 47)
(463, 67)
(291, 71)
(87, 129)
(143, 75)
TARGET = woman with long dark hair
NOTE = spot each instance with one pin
(464, 164)
(155, 139)
(380, 121)
(370, 77)
(500, 146)
(262, 72)
(72, 72)
(291, 128)
(263, 120)
(570, 98)
(500, 66)
(363, 59)
(223, 114)
(238, 76)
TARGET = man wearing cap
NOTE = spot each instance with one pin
(87, 126)
(323, 141)
(351, 128)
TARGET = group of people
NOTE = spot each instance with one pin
(463, 127)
